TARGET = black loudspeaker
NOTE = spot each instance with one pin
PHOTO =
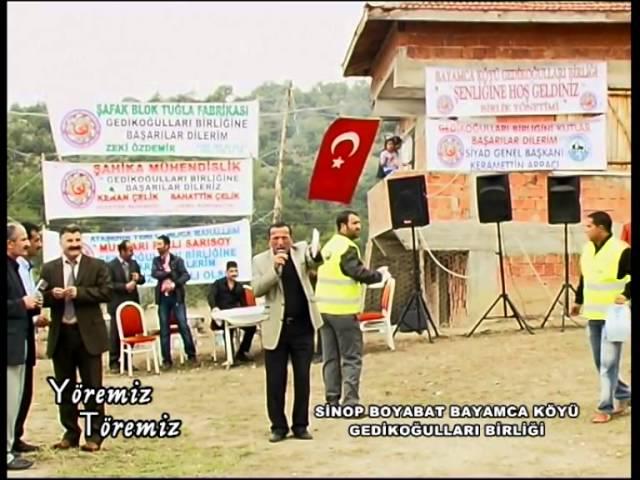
(563, 199)
(494, 198)
(408, 202)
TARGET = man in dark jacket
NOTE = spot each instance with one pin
(172, 276)
(226, 293)
(20, 310)
(27, 276)
(125, 277)
(76, 285)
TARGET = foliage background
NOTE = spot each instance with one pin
(29, 136)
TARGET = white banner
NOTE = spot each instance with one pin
(205, 250)
(467, 146)
(220, 130)
(207, 187)
(534, 89)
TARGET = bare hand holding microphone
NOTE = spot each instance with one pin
(280, 259)
(31, 302)
(36, 299)
(41, 320)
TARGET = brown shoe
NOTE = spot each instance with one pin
(90, 447)
(601, 417)
(65, 444)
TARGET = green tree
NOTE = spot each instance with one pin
(29, 136)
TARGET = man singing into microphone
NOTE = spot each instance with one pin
(281, 275)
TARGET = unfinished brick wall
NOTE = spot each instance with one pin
(451, 195)
(533, 294)
(448, 196)
(529, 196)
(478, 41)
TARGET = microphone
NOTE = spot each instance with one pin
(279, 267)
(41, 286)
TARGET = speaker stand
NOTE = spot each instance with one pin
(417, 299)
(566, 286)
(503, 296)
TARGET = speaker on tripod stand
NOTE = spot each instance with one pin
(494, 206)
(409, 209)
(563, 208)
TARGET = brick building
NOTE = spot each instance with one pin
(392, 44)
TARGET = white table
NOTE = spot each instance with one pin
(235, 318)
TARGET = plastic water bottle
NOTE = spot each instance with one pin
(618, 323)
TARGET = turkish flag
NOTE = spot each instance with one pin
(345, 148)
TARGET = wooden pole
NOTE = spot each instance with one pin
(277, 201)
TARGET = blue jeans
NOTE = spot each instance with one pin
(167, 304)
(606, 356)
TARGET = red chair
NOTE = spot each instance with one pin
(626, 233)
(380, 320)
(249, 297)
(134, 337)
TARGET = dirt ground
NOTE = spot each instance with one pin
(225, 428)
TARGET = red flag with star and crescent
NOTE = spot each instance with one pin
(342, 155)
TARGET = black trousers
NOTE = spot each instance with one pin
(318, 343)
(114, 342)
(296, 342)
(70, 357)
(247, 338)
(25, 404)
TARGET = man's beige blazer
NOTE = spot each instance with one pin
(267, 283)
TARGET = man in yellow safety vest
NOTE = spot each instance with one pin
(605, 279)
(338, 296)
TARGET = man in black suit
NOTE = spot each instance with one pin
(172, 276)
(125, 278)
(226, 293)
(20, 310)
(25, 271)
(76, 286)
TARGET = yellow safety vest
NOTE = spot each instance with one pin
(600, 272)
(337, 294)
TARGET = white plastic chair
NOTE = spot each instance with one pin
(176, 339)
(250, 301)
(134, 338)
(380, 320)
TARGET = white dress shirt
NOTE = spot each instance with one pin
(24, 270)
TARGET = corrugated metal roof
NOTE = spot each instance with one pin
(507, 6)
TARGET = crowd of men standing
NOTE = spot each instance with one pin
(74, 286)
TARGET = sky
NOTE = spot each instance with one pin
(110, 50)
